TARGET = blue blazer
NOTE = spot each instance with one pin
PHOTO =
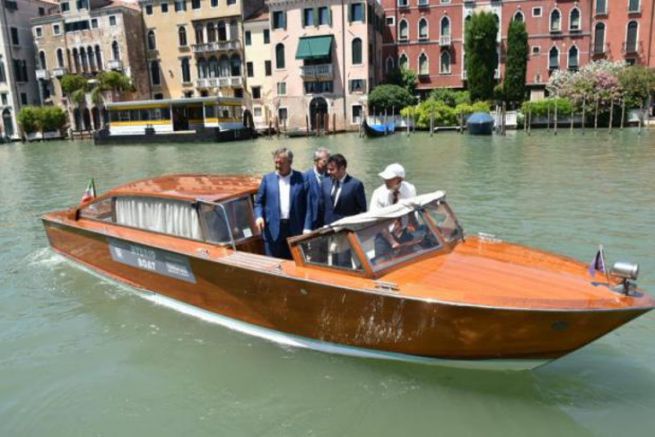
(267, 205)
(351, 201)
(314, 200)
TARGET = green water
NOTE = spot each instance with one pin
(82, 356)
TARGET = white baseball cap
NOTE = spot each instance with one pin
(394, 170)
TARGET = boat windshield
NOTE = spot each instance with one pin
(443, 217)
(395, 240)
(214, 220)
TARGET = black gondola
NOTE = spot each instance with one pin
(378, 130)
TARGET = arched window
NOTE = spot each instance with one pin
(631, 39)
(423, 29)
(213, 67)
(574, 20)
(154, 72)
(224, 65)
(445, 26)
(152, 42)
(115, 52)
(279, 56)
(222, 32)
(402, 62)
(444, 66)
(599, 38)
(423, 65)
(181, 36)
(211, 32)
(518, 16)
(98, 57)
(601, 6)
(42, 63)
(60, 58)
(202, 68)
(553, 59)
(555, 21)
(357, 51)
(573, 58)
(76, 60)
(403, 30)
(390, 64)
(83, 59)
(89, 55)
(200, 35)
(235, 63)
(234, 30)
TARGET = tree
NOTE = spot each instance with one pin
(481, 55)
(405, 78)
(517, 62)
(450, 97)
(388, 98)
(638, 83)
(28, 118)
(41, 118)
(112, 82)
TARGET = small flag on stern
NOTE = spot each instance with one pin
(90, 192)
(598, 264)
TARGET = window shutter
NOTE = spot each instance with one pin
(284, 20)
(315, 14)
(329, 15)
(350, 13)
(364, 11)
(303, 18)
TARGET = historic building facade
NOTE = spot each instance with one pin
(86, 37)
(326, 58)
(194, 47)
(18, 85)
(259, 67)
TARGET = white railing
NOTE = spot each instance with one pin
(216, 46)
(444, 40)
(42, 74)
(219, 82)
(59, 71)
(115, 64)
(464, 75)
(321, 70)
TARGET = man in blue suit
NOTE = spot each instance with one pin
(314, 178)
(281, 205)
(341, 194)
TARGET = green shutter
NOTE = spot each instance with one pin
(302, 18)
(330, 16)
(350, 13)
(315, 14)
(364, 11)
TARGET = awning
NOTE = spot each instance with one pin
(314, 47)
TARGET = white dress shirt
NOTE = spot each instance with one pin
(382, 196)
(284, 185)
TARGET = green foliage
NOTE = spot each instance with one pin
(541, 108)
(466, 109)
(450, 97)
(389, 97)
(28, 119)
(404, 78)
(638, 83)
(110, 82)
(517, 62)
(481, 55)
(73, 82)
(41, 118)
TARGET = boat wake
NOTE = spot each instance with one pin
(45, 257)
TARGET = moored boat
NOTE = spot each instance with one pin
(400, 283)
(378, 129)
(480, 123)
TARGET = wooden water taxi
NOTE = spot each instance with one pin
(429, 294)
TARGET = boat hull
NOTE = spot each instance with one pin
(382, 322)
(380, 130)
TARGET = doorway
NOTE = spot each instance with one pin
(318, 109)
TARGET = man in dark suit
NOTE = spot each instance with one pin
(314, 178)
(281, 205)
(342, 194)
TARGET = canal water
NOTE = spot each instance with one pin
(81, 355)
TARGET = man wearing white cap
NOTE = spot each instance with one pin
(393, 189)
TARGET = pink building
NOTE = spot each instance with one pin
(326, 57)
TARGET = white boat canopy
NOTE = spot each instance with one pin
(403, 207)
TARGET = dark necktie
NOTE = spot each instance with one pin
(335, 190)
(394, 197)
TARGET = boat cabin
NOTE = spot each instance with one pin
(219, 210)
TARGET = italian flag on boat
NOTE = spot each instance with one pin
(90, 192)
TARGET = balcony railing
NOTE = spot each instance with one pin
(115, 64)
(464, 76)
(216, 46)
(59, 71)
(42, 74)
(321, 71)
(220, 82)
(600, 49)
(631, 47)
(444, 40)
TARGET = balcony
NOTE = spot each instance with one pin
(115, 64)
(600, 49)
(445, 40)
(321, 71)
(556, 29)
(464, 76)
(220, 82)
(42, 74)
(59, 71)
(216, 46)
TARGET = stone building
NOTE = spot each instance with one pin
(86, 37)
(18, 85)
(259, 69)
(326, 58)
(195, 47)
